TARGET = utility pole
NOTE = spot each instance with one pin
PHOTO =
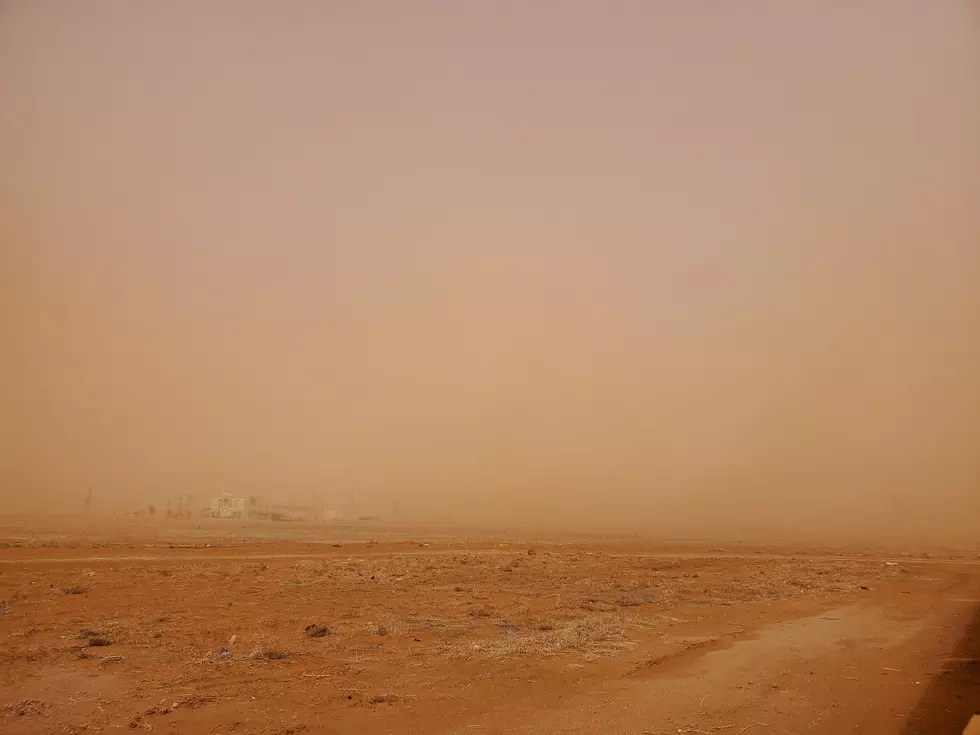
(88, 501)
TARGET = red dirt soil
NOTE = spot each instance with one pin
(214, 628)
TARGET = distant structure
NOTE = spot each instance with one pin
(183, 507)
(88, 501)
(253, 508)
(326, 514)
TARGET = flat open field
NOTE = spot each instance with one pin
(210, 627)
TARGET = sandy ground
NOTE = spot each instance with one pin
(271, 628)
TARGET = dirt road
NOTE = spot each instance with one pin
(449, 638)
(899, 661)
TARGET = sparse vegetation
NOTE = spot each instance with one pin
(26, 707)
(349, 616)
(94, 638)
(268, 655)
(591, 637)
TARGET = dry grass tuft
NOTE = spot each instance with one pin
(94, 638)
(194, 701)
(26, 707)
(592, 637)
(272, 655)
(597, 605)
(311, 566)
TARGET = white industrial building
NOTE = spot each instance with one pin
(251, 507)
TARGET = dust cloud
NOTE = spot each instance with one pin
(650, 265)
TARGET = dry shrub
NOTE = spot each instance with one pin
(130, 632)
(311, 566)
(597, 605)
(260, 654)
(193, 701)
(636, 596)
(26, 707)
(94, 638)
(592, 636)
(26, 633)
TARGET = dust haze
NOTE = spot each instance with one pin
(573, 264)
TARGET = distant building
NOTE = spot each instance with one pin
(331, 515)
(253, 508)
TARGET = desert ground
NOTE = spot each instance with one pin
(217, 627)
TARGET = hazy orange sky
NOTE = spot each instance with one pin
(565, 260)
